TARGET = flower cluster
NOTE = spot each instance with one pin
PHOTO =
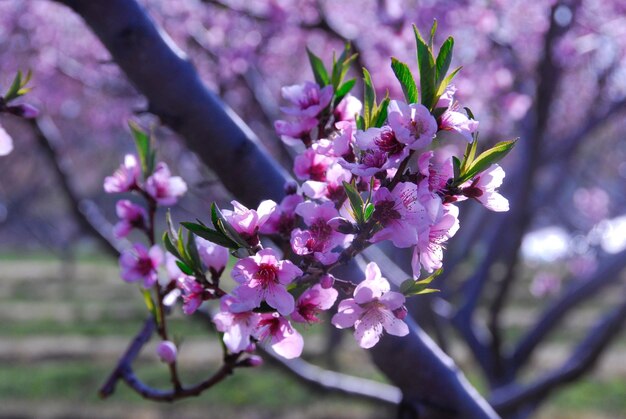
(391, 170)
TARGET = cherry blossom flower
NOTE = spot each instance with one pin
(380, 150)
(339, 144)
(320, 239)
(163, 187)
(296, 133)
(429, 250)
(413, 124)
(193, 293)
(310, 165)
(347, 109)
(312, 302)
(263, 277)
(332, 187)
(248, 222)
(6, 142)
(166, 351)
(283, 219)
(398, 212)
(437, 168)
(236, 326)
(458, 123)
(139, 263)
(131, 216)
(281, 336)
(372, 309)
(483, 189)
(214, 256)
(308, 99)
(125, 178)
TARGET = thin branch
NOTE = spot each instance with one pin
(582, 290)
(581, 360)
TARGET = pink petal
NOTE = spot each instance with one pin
(348, 313)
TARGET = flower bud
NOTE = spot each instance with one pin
(341, 225)
(400, 312)
(166, 351)
(327, 281)
(24, 110)
(251, 361)
(251, 348)
(291, 187)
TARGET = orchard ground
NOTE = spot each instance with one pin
(63, 325)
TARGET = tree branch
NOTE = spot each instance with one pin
(582, 359)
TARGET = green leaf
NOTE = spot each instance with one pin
(404, 76)
(147, 299)
(433, 31)
(469, 112)
(381, 112)
(192, 251)
(169, 246)
(184, 268)
(210, 235)
(369, 210)
(224, 226)
(489, 157)
(356, 202)
(369, 99)
(456, 165)
(360, 123)
(413, 287)
(344, 89)
(446, 81)
(319, 71)
(444, 58)
(142, 143)
(427, 70)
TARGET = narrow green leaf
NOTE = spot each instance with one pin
(360, 123)
(381, 112)
(192, 251)
(147, 299)
(456, 165)
(142, 143)
(444, 58)
(404, 76)
(319, 71)
(427, 70)
(369, 210)
(369, 101)
(184, 268)
(433, 31)
(344, 89)
(412, 287)
(446, 81)
(210, 235)
(224, 226)
(489, 157)
(169, 246)
(356, 202)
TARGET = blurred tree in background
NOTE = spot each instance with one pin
(550, 72)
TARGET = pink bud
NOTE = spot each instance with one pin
(291, 187)
(400, 313)
(251, 361)
(251, 348)
(28, 111)
(327, 281)
(166, 351)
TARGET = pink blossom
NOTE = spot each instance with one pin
(237, 327)
(437, 168)
(125, 178)
(310, 165)
(320, 239)
(312, 302)
(447, 97)
(6, 143)
(483, 189)
(139, 263)
(283, 219)
(163, 187)
(380, 151)
(332, 188)
(413, 124)
(131, 216)
(458, 123)
(166, 351)
(248, 222)
(193, 293)
(214, 256)
(339, 144)
(372, 309)
(308, 99)
(398, 212)
(348, 109)
(432, 238)
(263, 277)
(282, 337)
(296, 133)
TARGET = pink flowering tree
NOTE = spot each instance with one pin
(520, 59)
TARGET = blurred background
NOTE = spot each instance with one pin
(553, 74)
